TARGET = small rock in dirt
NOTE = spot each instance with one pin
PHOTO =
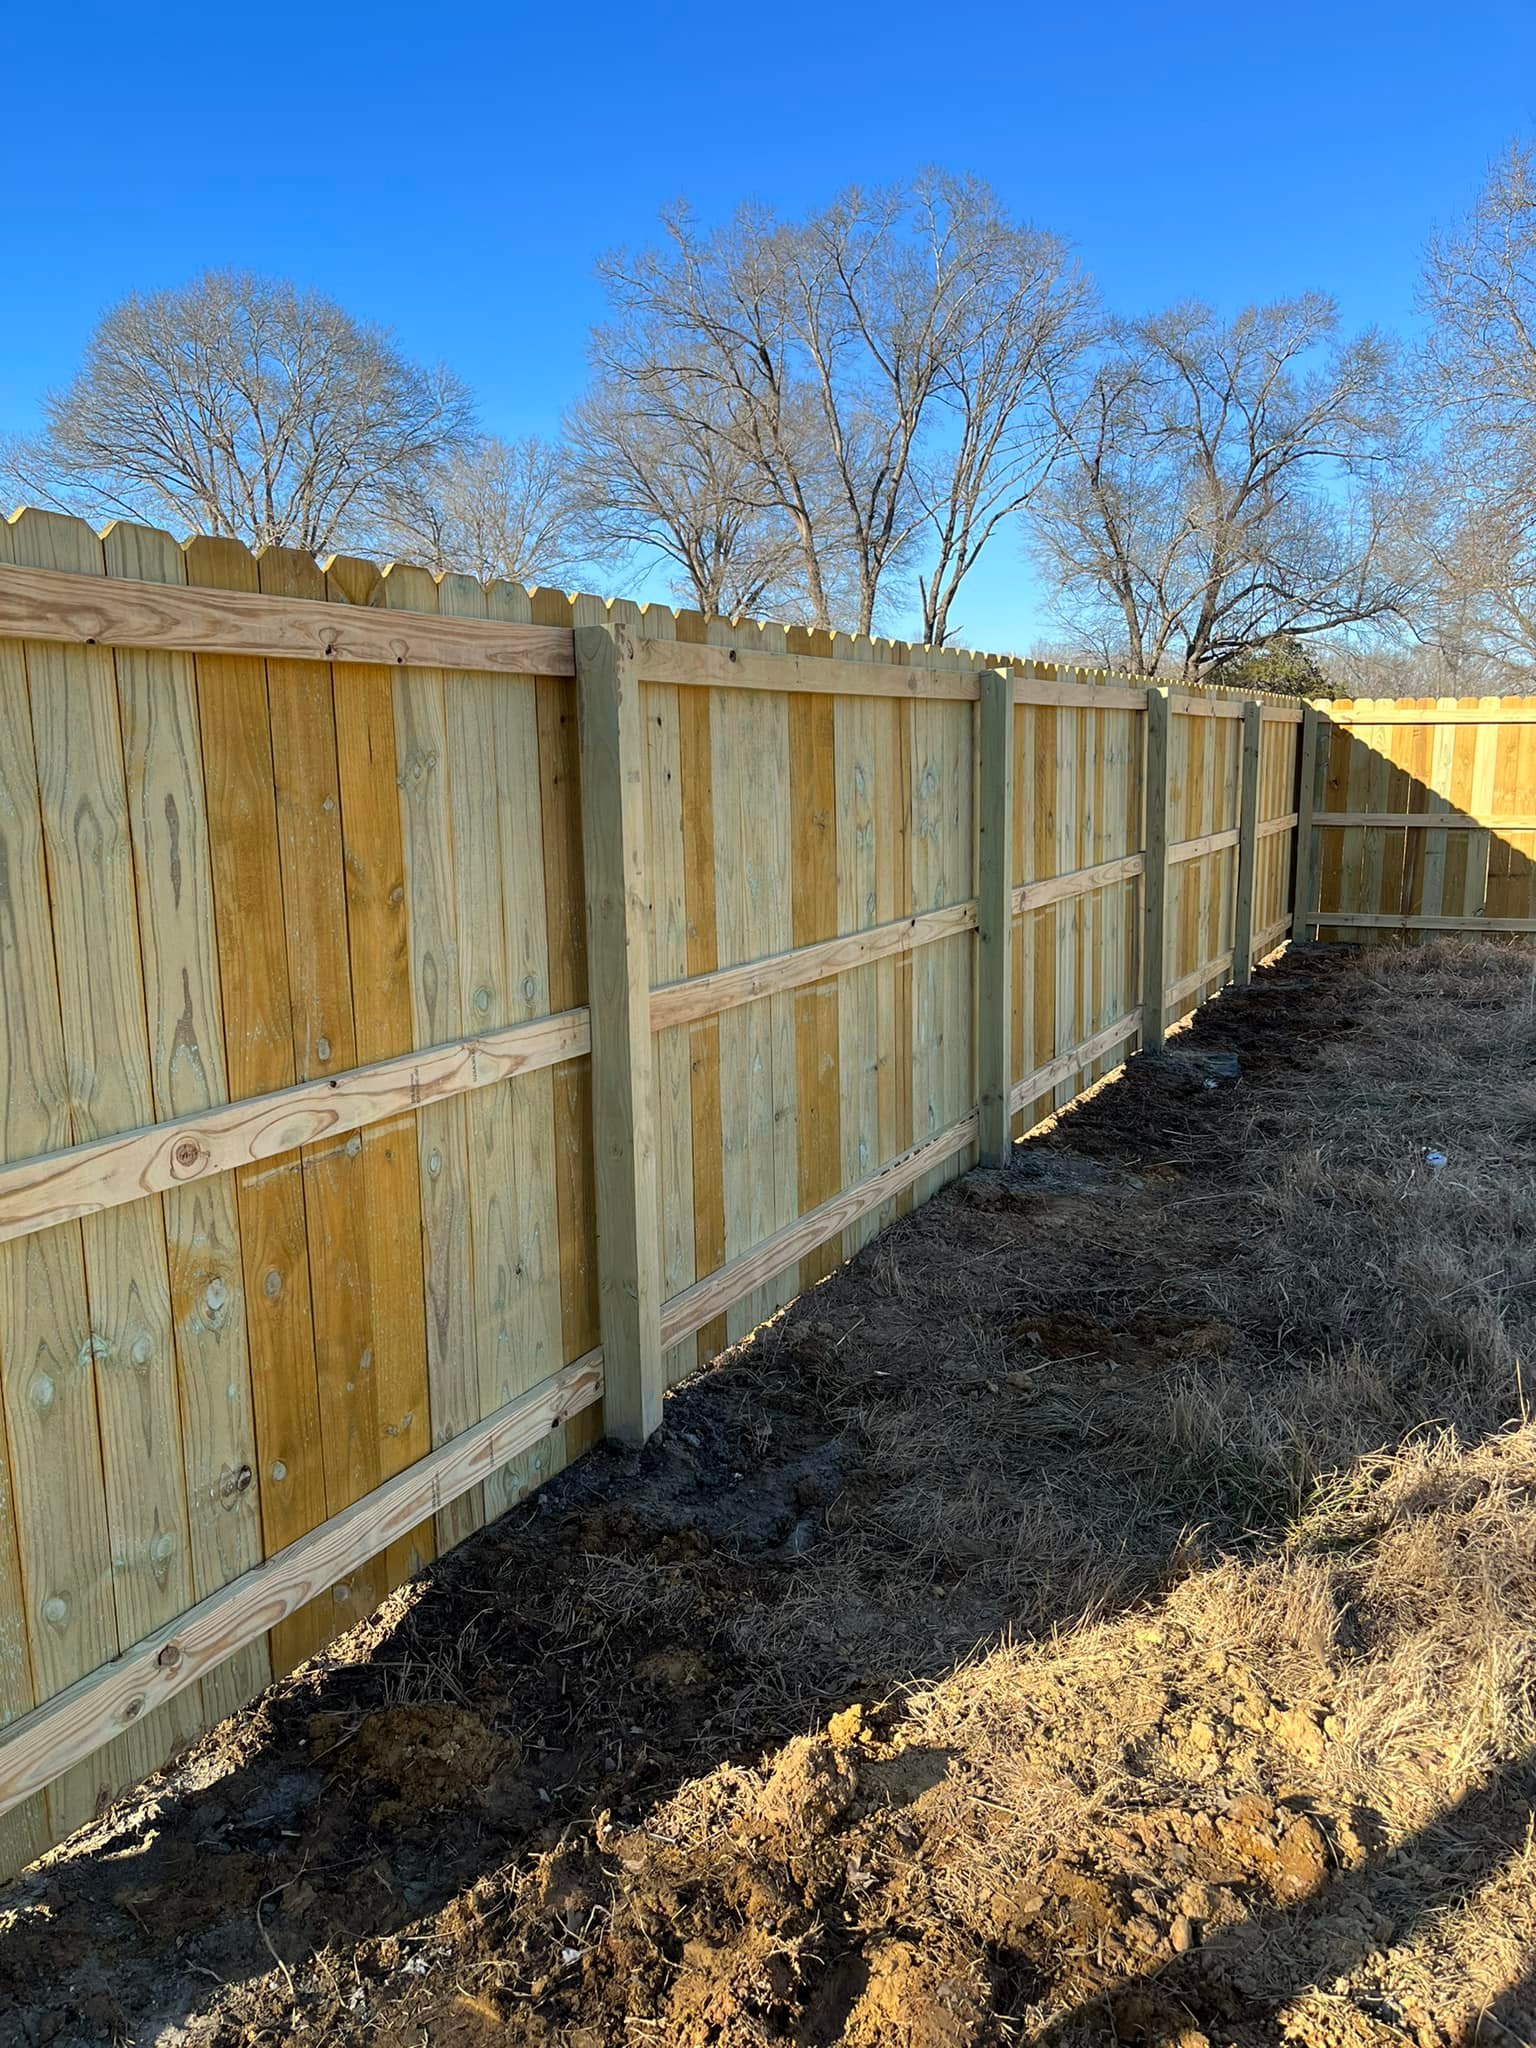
(1181, 1934)
(1197, 1069)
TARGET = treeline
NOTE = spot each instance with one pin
(829, 420)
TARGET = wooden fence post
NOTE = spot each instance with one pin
(618, 995)
(1304, 877)
(1247, 843)
(1154, 884)
(994, 916)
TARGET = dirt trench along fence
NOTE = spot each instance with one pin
(1420, 818)
(435, 1017)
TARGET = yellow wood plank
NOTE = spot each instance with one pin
(378, 942)
(814, 911)
(565, 924)
(696, 759)
(167, 809)
(421, 741)
(56, 1614)
(855, 724)
(534, 1307)
(239, 783)
(666, 861)
(78, 739)
(750, 783)
(302, 711)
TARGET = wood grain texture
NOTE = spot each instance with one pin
(442, 1144)
(740, 668)
(78, 739)
(696, 764)
(302, 711)
(167, 809)
(710, 995)
(378, 943)
(161, 1666)
(1247, 845)
(666, 860)
(995, 905)
(245, 867)
(1154, 944)
(783, 1251)
(814, 914)
(565, 911)
(46, 605)
(56, 1614)
(623, 1101)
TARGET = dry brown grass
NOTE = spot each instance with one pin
(1107, 1611)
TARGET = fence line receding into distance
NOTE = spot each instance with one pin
(437, 1016)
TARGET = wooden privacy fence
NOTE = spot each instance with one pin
(1422, 818)
(436, 1017)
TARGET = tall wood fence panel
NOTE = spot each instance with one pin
(1423, 818)
(339, 1203)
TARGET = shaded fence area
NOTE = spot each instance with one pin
(1424, 815)
(436, 1017)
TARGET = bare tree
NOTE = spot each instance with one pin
(1226, 484)
(1477, 381)
(652, 470)
(239, 405)
(491, 509)
(880, 369)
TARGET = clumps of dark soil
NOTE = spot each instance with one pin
(1103, 1611)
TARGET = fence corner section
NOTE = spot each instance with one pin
(1154, 930)
(1247, 843)
(618, 995)
(994, 916)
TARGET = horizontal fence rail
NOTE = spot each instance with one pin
(1420, 818)
(438, 1016)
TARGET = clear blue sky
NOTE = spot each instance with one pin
(453, 171)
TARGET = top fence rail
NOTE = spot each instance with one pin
(51, 604)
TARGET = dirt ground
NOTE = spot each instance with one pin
(1105, 1610)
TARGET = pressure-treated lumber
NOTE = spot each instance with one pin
(1510, 711)
(708, 995)
(618, 999)
(1309, 774)
(1195, 849)
(1080, 696)
(1081, 882)
(994, 890)
(1206, 971)
(56, 605)
(736, 668)
(37, 1193)
(1421, 821)
(690, 1310)
(1387, 923)
(1072, 1062)
(1154, 916)
(1189, 705)
(77, 1721)
(1247, 844)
